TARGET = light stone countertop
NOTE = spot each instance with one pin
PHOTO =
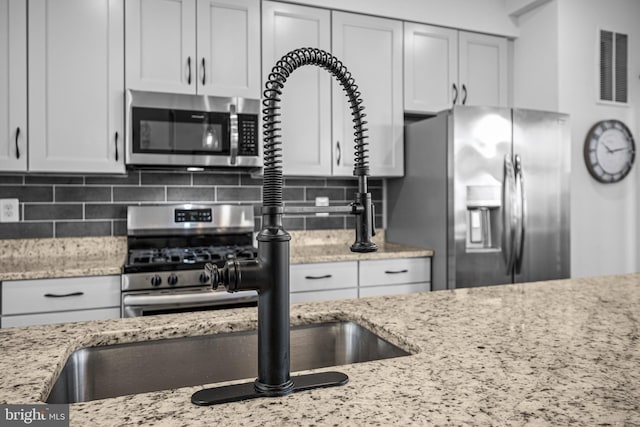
(62, 257)
(333, 245)
(547, 353)
(96, 256)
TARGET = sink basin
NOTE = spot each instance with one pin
(122, 369)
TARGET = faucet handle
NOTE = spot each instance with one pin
(365, 224)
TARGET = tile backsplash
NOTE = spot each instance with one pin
(96, 205)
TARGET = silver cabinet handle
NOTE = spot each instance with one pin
(464, 94)
(338, 153)
(326, 276)
(455, 94)
(71, 294)
(396, 271)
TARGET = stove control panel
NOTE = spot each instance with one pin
(164, 280)
(193, 215)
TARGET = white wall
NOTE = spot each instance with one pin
(605, 216)
(605, 238)
(536, 60)
(485, 16)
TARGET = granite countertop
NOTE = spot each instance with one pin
(97, 256)
(546, 353)
(62, 257)
(333, 245)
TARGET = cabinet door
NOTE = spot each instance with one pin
(483, 70)
(306, 97)
(430, 68)
(394, 276)
(371, 48)
(229, 48)
(384, 272)
(324, 281)
(76, 85)
(60, 294)
(161, 45)
(13, 85)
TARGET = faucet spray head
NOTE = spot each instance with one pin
(365, 224)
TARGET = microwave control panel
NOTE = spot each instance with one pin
(247, 134)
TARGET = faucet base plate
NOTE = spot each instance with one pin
(245, 391)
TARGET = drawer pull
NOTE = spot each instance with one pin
(72, 294)
(326, 276)
(396, 271)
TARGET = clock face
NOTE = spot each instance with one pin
(609, 151)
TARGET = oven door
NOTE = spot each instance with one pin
(147, 303)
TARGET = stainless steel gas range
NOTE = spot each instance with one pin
(168, 247)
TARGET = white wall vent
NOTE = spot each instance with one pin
(614, 73)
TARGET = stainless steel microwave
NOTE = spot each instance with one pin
(191, 131)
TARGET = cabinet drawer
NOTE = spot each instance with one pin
(323, 276)
(73, 293)
(330, 295)
(59, 317)
(395, 271)
(407, 288)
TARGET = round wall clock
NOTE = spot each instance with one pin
(609, 151)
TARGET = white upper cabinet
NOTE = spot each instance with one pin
(445, 67)
(317, 127)
(76, 85)
(209, 47)
(229, 47)
(430, 67)
(483, 70)
(371, 48)
(13, 85)
(161, 45)
(306, 97)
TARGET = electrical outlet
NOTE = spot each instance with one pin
(322, 201)
(9, 210)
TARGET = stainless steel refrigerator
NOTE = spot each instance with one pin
(488, 190)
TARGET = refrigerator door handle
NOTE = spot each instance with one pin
(508, 218)
(520, 214)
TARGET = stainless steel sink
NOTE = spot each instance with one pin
(117, 370)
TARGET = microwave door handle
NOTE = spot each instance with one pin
(233, 146)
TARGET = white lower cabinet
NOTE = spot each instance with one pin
(324, 281)
(352, 279)
(41, 301)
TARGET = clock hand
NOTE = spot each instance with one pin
(607, 147)
(620, 149)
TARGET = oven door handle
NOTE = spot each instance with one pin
(187, 298)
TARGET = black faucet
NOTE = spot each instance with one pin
(268, 274)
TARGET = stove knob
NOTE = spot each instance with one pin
(173, 280)
(156, 281)
(204, 278)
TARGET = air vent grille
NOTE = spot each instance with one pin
(613, 67)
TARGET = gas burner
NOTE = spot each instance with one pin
(197, 255)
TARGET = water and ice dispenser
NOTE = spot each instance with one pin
(483, 217)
